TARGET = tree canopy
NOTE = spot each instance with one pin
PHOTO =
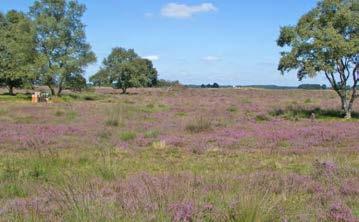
(61, 41)
(325, 40)
(123, 69)
(17, 49)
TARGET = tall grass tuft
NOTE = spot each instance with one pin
(199, 124)
(115, 116)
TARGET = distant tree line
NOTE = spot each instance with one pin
(47, 46)
(312, 86)
(167, 83)
(214, 85)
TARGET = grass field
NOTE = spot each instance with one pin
(179, 155)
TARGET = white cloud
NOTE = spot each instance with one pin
(152, 57)
(175, 10)
(211, 58)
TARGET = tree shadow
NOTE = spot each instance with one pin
(318, 113)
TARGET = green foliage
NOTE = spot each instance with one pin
(17, 50)
(75, 82)
(167, 83)
(325, 40)
(124, 69)
(59, 29)
(101, 79)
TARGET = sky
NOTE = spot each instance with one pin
(231, 42)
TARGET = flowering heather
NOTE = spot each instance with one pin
(28, 135)
(350, 187)
(340, 213)
(179, 155)
(182, 212)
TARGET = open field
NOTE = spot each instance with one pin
(179, 155)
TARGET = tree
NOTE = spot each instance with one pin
(124, 69)
(101, 78)
(215, 85)
(75, 82)
(61, 41)
(17, 50)
(326, 40)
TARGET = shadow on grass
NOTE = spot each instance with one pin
(295, 113)
(15, 97)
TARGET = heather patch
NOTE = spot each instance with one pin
(181, 155)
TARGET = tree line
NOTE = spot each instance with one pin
(47, 46)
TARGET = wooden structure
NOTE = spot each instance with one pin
(39, 97)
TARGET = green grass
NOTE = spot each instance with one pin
(127, 135)
(151, 134)
(12, 190)
(86, 171)
(15, 98)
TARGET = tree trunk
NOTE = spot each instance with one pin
(347, 107)
(52, 90)
(124, 90)
(59, 91)
(60, 86)
(11, 90)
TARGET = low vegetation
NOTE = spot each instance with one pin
(130, 158)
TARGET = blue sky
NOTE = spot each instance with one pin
(224, 41)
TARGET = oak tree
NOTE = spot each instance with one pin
(326, 41)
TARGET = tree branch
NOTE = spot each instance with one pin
(354, 88)
(332, 81)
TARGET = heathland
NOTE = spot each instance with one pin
(179, 154)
